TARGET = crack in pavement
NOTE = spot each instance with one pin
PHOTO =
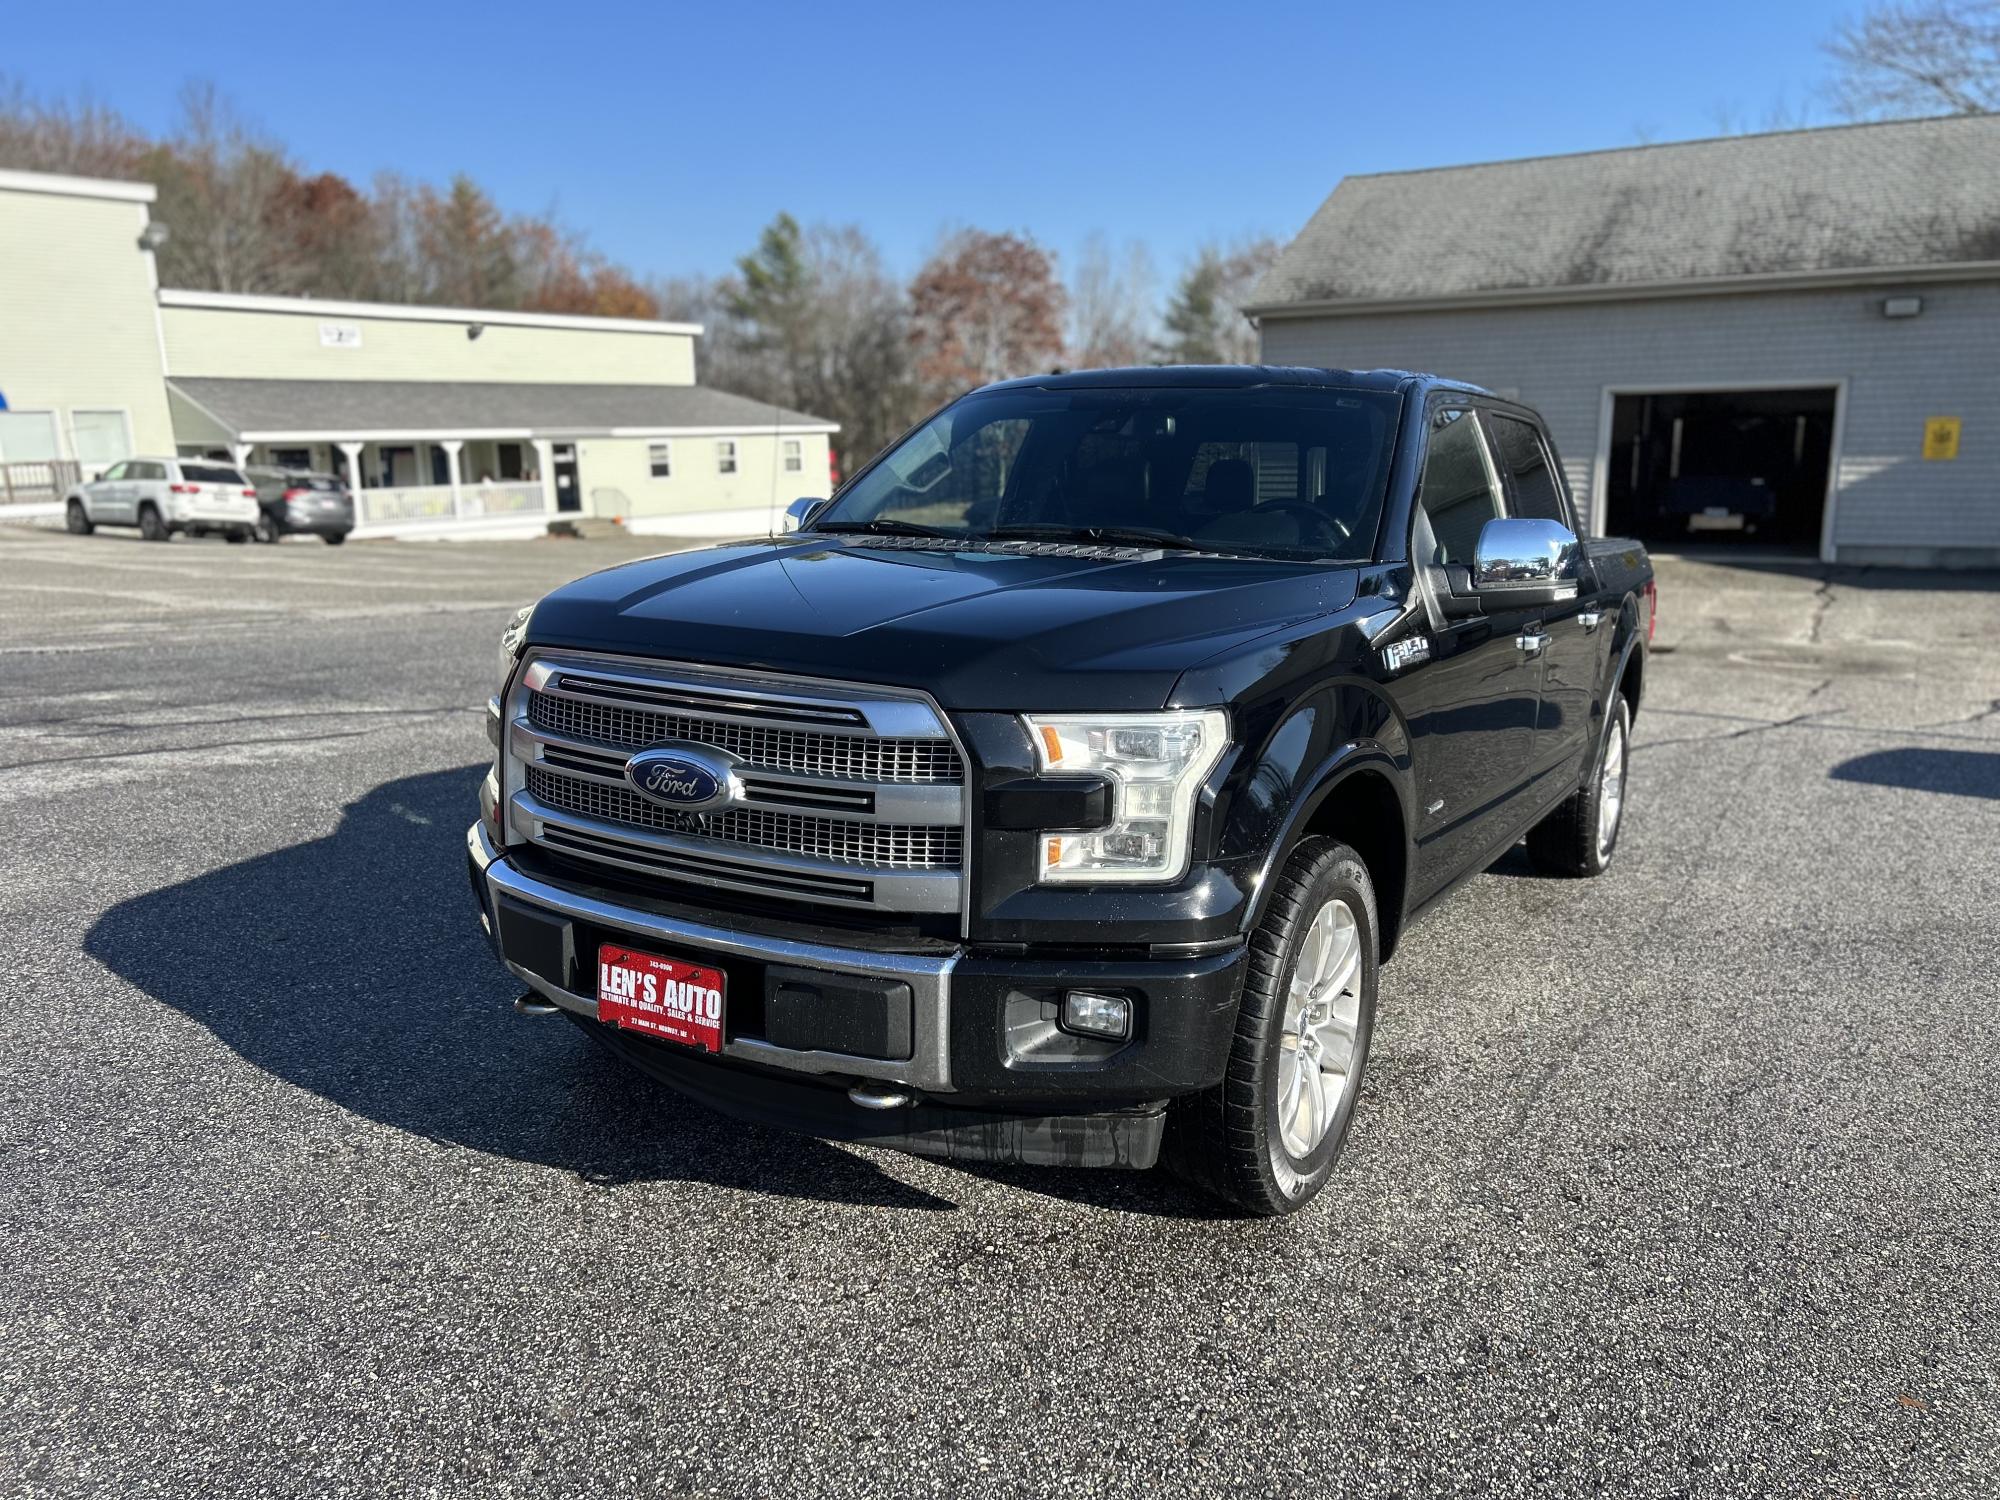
(111, 726)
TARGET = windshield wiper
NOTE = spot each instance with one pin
(1143, 536)
(883, 526)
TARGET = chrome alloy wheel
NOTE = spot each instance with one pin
(1322, 1013)
(1611, 788)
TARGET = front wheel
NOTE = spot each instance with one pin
(77, 519)
(266, 529)
(1581, 835)
(1266, 1138)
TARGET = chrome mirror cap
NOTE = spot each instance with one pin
(1517, 554)
(800, 511)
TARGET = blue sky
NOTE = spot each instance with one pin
(671, 133)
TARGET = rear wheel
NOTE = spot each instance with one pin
(77, 519)
(335, 538)
(234, 537)
(151, 527)
(1267, 1137)
(1581, 835)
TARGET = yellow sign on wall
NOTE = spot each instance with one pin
(1941, 437)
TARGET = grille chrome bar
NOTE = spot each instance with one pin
(854, 796)
(732, 867)
(867, 801)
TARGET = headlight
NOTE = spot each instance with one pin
(511, 641)
(1156, 764)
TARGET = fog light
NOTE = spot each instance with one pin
(1090, 1014)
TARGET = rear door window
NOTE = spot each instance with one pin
(1458, 495)
(1524, 458)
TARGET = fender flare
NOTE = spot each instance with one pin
(1319, 785)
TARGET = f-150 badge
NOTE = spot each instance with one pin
(1401, 654)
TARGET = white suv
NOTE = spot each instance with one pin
(163, 495)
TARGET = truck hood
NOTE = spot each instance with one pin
(1033, 629)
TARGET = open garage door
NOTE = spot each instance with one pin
(1721, 467)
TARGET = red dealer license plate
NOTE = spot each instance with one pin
(668, 998)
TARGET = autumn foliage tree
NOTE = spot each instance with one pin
(984, 307)
(241, 216)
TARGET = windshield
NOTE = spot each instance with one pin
(1269, 471)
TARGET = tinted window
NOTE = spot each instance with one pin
(210, 474)
(1266, 471)
(1456, 496)
(1524, 458)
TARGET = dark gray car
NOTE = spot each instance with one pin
(298, 502)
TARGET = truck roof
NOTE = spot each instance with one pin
(1236, 376)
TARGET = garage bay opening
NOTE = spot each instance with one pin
(1732, 467)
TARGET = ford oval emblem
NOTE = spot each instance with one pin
(685, 780)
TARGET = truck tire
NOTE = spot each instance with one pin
(77, 519)
(1266, 1138)
(1581, 835)
(151, 527)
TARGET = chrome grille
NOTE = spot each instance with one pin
(804, 752)
(895, 846)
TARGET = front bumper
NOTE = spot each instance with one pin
(990, 1077)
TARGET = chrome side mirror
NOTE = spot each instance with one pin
(1524, 561)
(801, 511)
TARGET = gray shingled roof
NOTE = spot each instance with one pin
(1910, 193)
(445, 406)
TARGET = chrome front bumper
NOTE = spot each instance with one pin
(929, 977)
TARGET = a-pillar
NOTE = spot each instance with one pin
(451, 463)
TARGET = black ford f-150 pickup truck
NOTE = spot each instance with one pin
(1054, 791)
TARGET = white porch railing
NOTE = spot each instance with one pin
(434, 502)
(42, 482)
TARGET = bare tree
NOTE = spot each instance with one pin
(84, 139)
(1929, 58)
(1110, 305)
(223, 192)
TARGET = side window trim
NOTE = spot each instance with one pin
(1502, 495)
(1558, 481)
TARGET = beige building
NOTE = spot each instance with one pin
(444, 420)
(80, 358)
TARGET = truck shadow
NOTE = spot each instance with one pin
(1957, 773)
(352, 966)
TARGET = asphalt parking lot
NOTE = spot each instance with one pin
(1681, 1182)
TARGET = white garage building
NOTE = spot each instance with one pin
(1789, 340)
(445, 420)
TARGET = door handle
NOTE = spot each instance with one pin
(1532, 642)
(1589, 618)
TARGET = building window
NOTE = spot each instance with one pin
(660, 459)
(725, 456)
(99, 438)
(28, 437)
(795, 456)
